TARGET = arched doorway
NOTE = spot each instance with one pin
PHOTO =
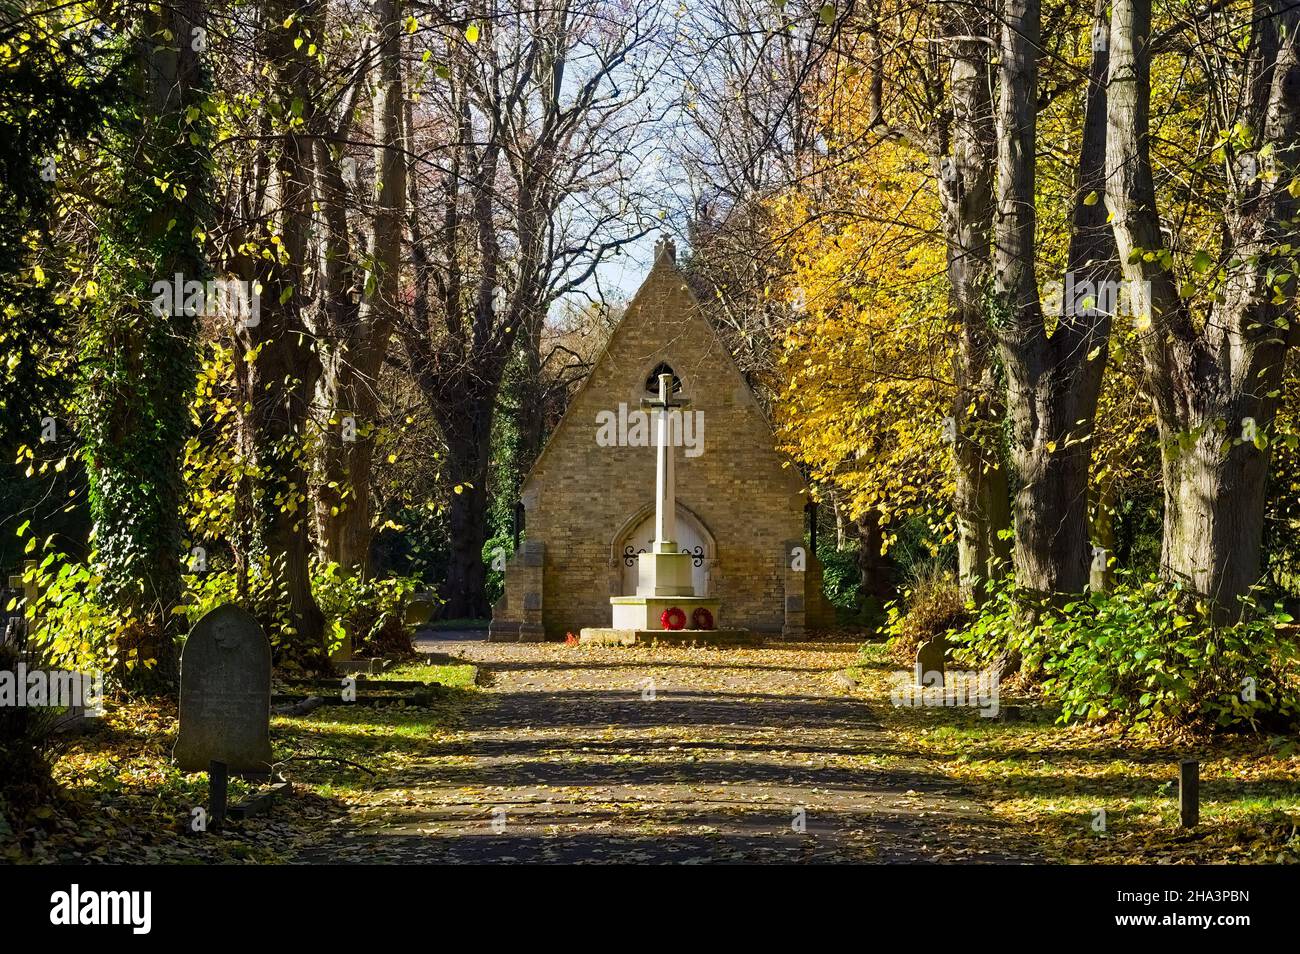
(638, 535)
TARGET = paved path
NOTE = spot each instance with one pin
(676, 755)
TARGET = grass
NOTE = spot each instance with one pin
(1051, 781)
(125, 802)
(122, 799)
(380, 738)
(452, 676)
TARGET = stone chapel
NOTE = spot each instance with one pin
(589, 500)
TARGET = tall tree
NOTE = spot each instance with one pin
(751, 75)
(533, 180)
(1214, 362)
(54, 86)
(276, 363)
(1053, 363)
(138, 360)
(355, 325)
(961, 149)
(929, 77)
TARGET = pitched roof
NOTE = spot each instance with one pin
(663, 273)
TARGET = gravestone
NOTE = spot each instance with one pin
(225, 707)
(929, 662)
(13, 623)
(420, 610)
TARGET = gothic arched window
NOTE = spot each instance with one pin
(652, 382)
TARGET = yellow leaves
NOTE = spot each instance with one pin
(859, 366)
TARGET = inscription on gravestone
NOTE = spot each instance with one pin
(225, 705)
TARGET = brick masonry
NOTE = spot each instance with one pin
(581, 499)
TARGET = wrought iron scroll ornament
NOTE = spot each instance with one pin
(630, 555)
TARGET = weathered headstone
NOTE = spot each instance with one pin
(12, 631)
(225, 707)
(929, 662)
(419, 611)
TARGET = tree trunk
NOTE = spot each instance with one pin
(530, 419)
(1213, 384)
(876, 567)
(140, 364)
(343, 506)
(966, 197)
(1052, 543)
(981, 497)
(276, 361)
(350, 384)
(1214, 519)
(277, 398)
(468, 455)
(1053, 380)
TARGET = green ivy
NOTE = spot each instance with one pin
(138, 366)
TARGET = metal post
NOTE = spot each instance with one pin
(218, 784)
(1189, 792)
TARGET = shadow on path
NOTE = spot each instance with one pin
(662, 755)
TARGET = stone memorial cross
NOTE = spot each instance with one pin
(665, 482)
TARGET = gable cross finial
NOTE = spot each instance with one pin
(666, 247)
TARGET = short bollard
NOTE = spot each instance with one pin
(1189, 793)
(218, 783)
